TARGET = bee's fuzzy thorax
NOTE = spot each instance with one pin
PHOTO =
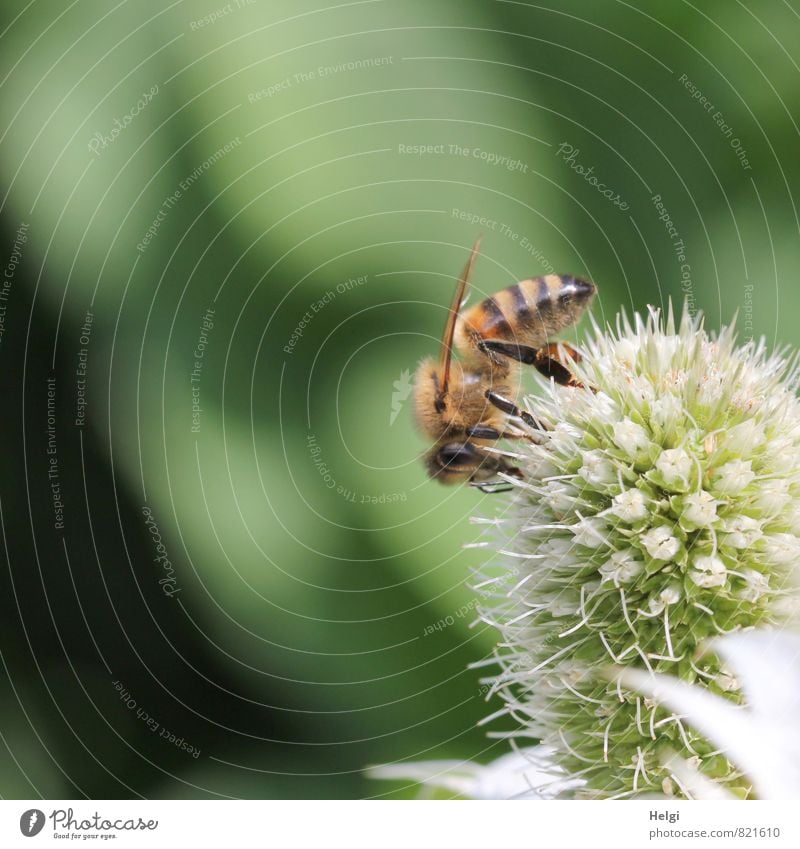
(466, 402)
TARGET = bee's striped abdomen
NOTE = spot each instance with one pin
(530, 311)
(491, 318)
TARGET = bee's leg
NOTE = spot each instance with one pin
(543, 359)
(551, 366)
(512, 409)
(488, 432)
(551, 349)
(521, 353)
(483, 432)
(489, 488)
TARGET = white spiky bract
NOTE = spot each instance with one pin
(661, 510)
(763, 739)
(521, 774)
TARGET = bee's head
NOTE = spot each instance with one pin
(459, 462)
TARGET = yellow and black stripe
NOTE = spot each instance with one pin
(530, 304)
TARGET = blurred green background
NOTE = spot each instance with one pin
(229, 232)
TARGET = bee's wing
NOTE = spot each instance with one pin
(450, 326)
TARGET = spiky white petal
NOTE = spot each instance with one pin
(709, 571)
(622, 567)
(675, 466)
(663, 599)
(732, 477)
(631, 437)
(596, 469)
(630, 505)
(699, 510)
(661, 543)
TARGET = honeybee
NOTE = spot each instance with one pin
(466, 405)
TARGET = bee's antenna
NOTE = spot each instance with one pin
(452, 317)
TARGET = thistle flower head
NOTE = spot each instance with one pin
(661, 509)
